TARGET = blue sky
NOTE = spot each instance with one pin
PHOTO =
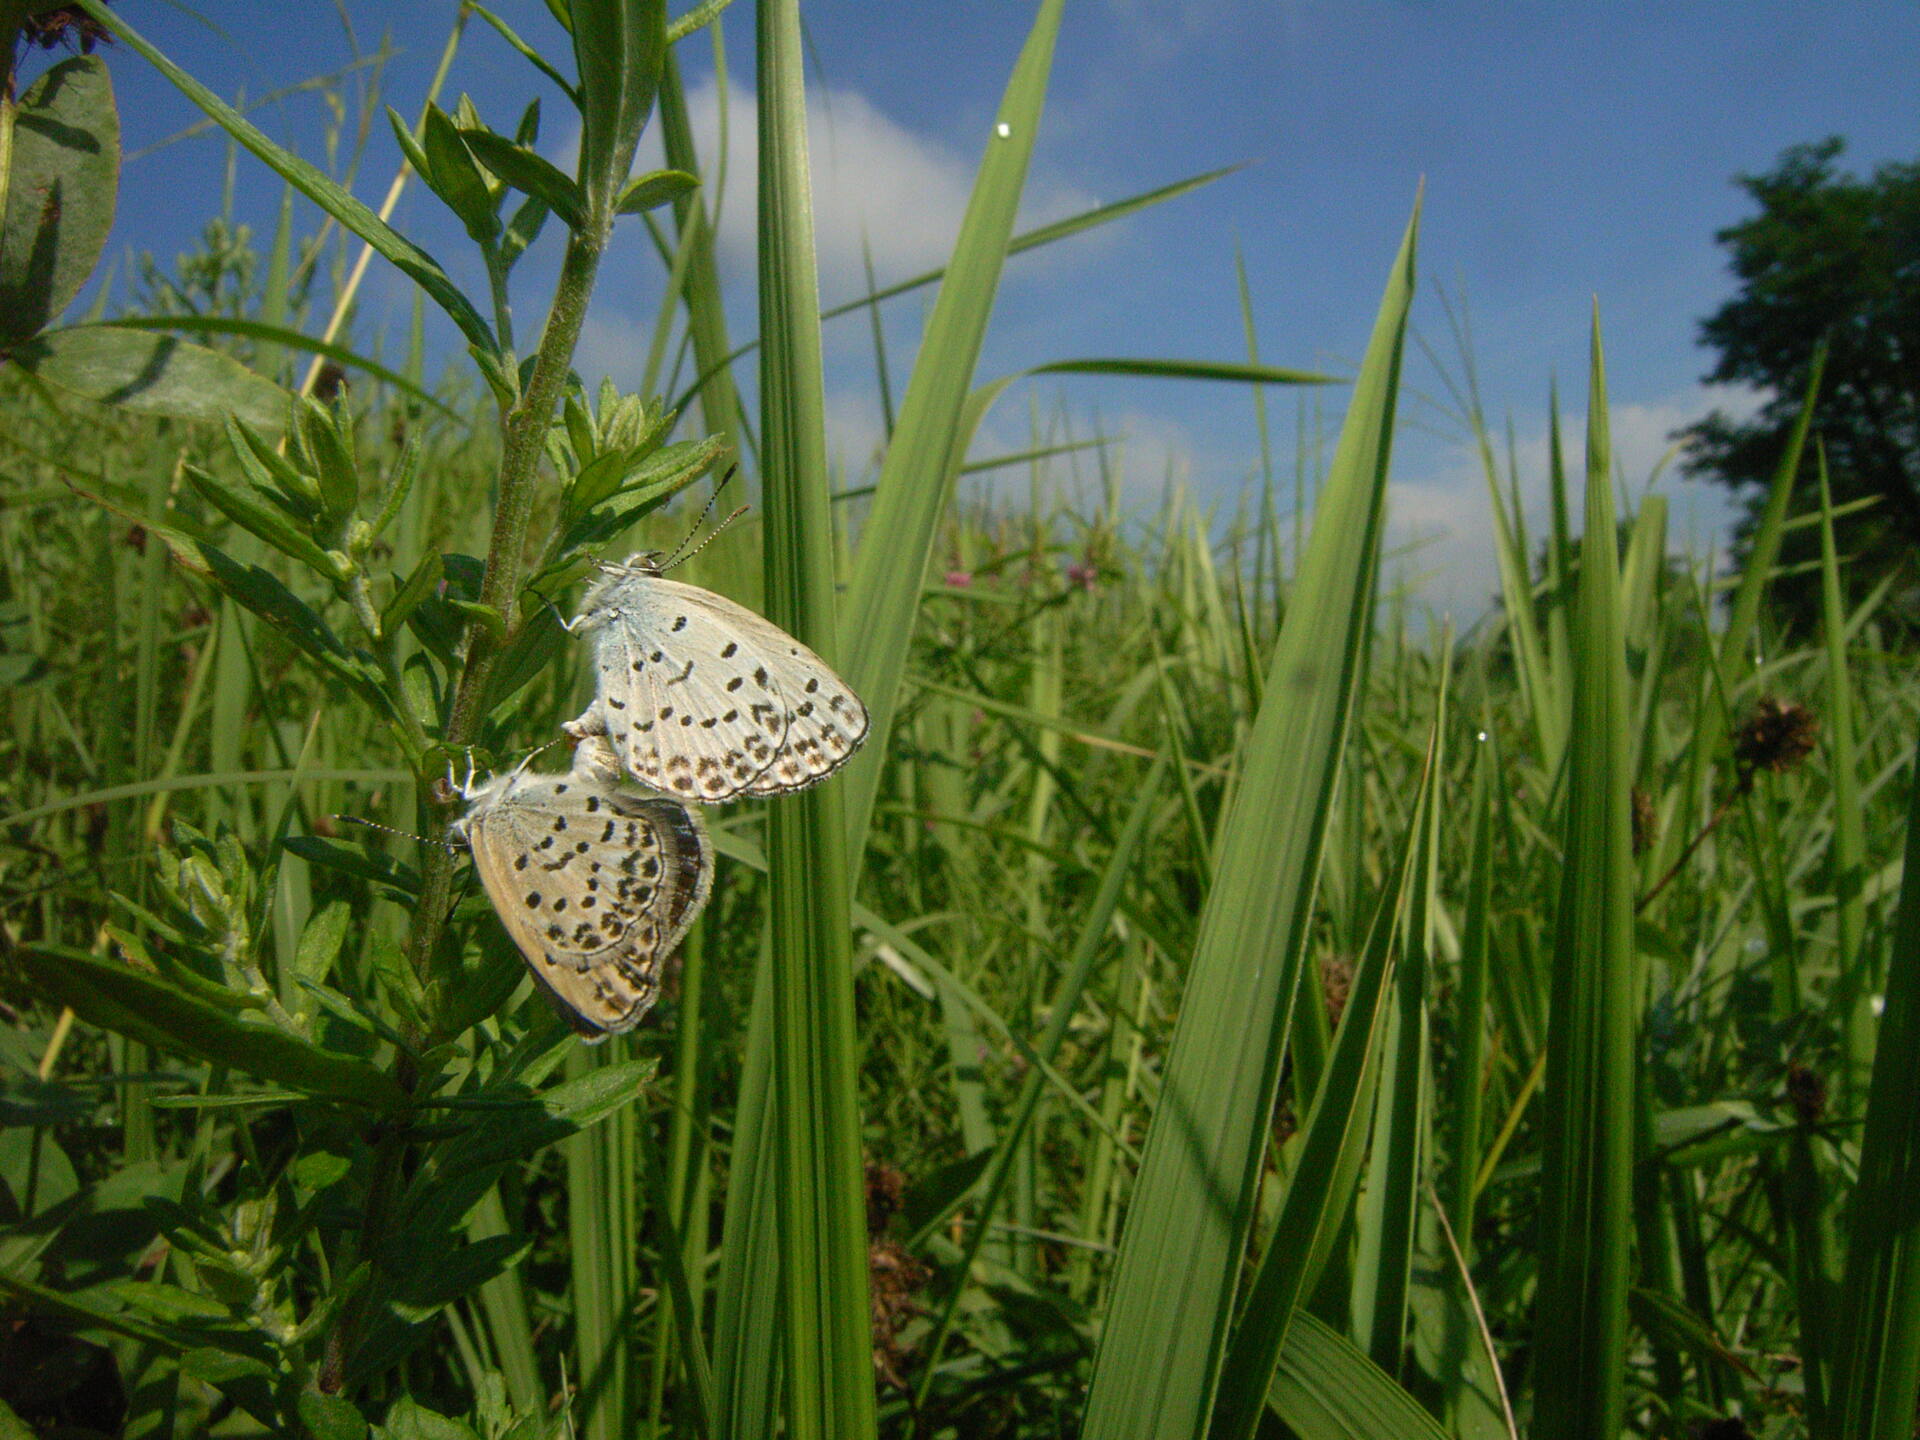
(1569, 152)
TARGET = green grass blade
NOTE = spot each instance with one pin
(1764, 549)
(1328, 1390)
(746, 1310)
(823, 1239)
(706, 315)
(1320, 1193)
(1847, 854)
(1087, 949)
(1173, 1292)
(1587, 1153)
(603, 1226)
(1383, 1259)
(897, 541)
(1879, 1369)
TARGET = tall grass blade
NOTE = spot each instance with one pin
(1180, 1254)
(1847, 854)
(1327, 1169)
(1587, 1153)
(1383, 1261)
(1878, 1371)
(823, 1240)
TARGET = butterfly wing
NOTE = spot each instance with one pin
(595, 885)
(702, 698)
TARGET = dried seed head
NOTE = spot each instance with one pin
(1807, 1092)
(1336, 983)
(65, 25)
(1777, 736)
(886, 1190)
(1646, 822)
(893, 1277)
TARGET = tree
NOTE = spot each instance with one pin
(1836, 256)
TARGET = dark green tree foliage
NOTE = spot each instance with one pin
(1833, 255)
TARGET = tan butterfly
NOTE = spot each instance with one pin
(595, 881)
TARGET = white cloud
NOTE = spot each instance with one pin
(874, 180)
(1442, 521)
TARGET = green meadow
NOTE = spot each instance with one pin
(1219, 1000)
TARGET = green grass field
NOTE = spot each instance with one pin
(1220, 1000)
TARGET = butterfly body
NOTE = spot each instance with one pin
(703, 699)
(595, 882)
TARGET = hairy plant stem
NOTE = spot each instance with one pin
(524, 431)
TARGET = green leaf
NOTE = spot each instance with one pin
(270, 472)
(327, 431)
(456, 179)
(527, 171)
(910, 498)
(1326, 1171)
(331, 1417)
(146, 1008)
(1186, 370)
(264, 521)
(65, 169)
(659, 187)
(410, 1420)
(280, 335)
(825, 1328)
(618, 46)
(1192, 1206)
(153, 375)
(1327, 1390)
(409, 593)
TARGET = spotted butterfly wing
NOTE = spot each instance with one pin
(702, 698)
(595, 882)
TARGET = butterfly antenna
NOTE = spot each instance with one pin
(446, 845)
(718, 531)
(680, 553)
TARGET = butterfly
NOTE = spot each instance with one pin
(595, 881)
(702, 698)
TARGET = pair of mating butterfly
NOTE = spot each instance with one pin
(699, 700)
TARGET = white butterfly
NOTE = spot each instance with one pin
(700, 697)
(595, 882)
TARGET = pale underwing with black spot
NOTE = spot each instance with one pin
(595, 881)
(702, 698)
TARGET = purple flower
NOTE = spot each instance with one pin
(960, 579)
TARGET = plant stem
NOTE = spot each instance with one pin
(524, 432)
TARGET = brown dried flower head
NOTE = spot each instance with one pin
(1807, 1092)
(1777, 736)
(1646, 822)
(65, 25)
